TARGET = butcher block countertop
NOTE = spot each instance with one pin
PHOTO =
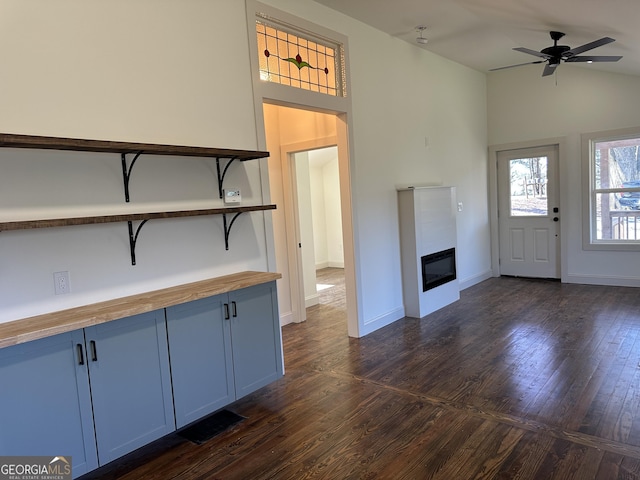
(48, 324)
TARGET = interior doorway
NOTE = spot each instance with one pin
(319, 220)
(309, 160)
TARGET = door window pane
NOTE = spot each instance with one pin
(528, 177)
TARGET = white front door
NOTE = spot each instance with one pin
(528, 212)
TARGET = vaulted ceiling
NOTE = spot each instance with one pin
(481, 34)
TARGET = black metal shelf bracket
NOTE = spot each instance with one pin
(126, 172)
(227, 228)
(221, 174)
(133, 239)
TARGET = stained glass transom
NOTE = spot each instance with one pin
(292, 59)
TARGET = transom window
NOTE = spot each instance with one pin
(614, 189)
(299, 59)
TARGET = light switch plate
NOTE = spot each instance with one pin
(232, 196)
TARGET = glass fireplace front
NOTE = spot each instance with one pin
(438, 268)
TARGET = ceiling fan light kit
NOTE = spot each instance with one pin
(557, 54)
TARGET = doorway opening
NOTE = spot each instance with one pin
(317, 206)
(308, 180)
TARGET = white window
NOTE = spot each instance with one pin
(612, 190)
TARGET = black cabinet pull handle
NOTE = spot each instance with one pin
(226, 311)
(80, 354)
(94, 352)
(235, 309)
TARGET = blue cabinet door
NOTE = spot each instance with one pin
(200, 351)
(255, 337)
(45, 404)
(130, 383)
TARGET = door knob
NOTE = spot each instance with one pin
(555, 219)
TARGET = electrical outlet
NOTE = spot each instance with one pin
(61, 283)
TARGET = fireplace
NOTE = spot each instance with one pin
(438, 268)
(428, 227)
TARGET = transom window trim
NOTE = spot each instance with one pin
(295, 57)
(612, 193)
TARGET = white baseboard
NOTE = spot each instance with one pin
(381, 321)
(471, 281)
(603, 280)
(329, 264)
(312, 300)
(286, 318)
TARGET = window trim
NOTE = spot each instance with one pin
(589, 191)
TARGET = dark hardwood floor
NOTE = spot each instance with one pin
(527, 379)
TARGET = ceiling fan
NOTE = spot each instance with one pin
(556, 54)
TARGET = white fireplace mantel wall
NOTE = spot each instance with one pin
(427, 225)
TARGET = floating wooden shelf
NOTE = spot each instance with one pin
(65, 222)
(54, 143)
(141, 217)
(137, 149)
(8, 140)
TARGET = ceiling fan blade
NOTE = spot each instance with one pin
(518, 65)
(549, 69)
(532, 52)
(587, 58)
(587, 46)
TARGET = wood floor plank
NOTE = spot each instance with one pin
(521, 378)
(526, 458)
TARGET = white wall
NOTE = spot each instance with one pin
(400, 95)
(326, 208)
(524, 107)
(176, 73)
(179, 73)
(319, 216)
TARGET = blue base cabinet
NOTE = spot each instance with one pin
(255, 338)
(92, 394)
(201, 361)
(223, 348)
(98, 393)
(45, 402)
(130, 383)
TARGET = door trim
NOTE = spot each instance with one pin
(341, 107)
(561, 143)
(292, 225)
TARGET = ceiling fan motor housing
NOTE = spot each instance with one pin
(556, 50)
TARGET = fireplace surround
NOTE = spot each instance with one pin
(428, 247)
